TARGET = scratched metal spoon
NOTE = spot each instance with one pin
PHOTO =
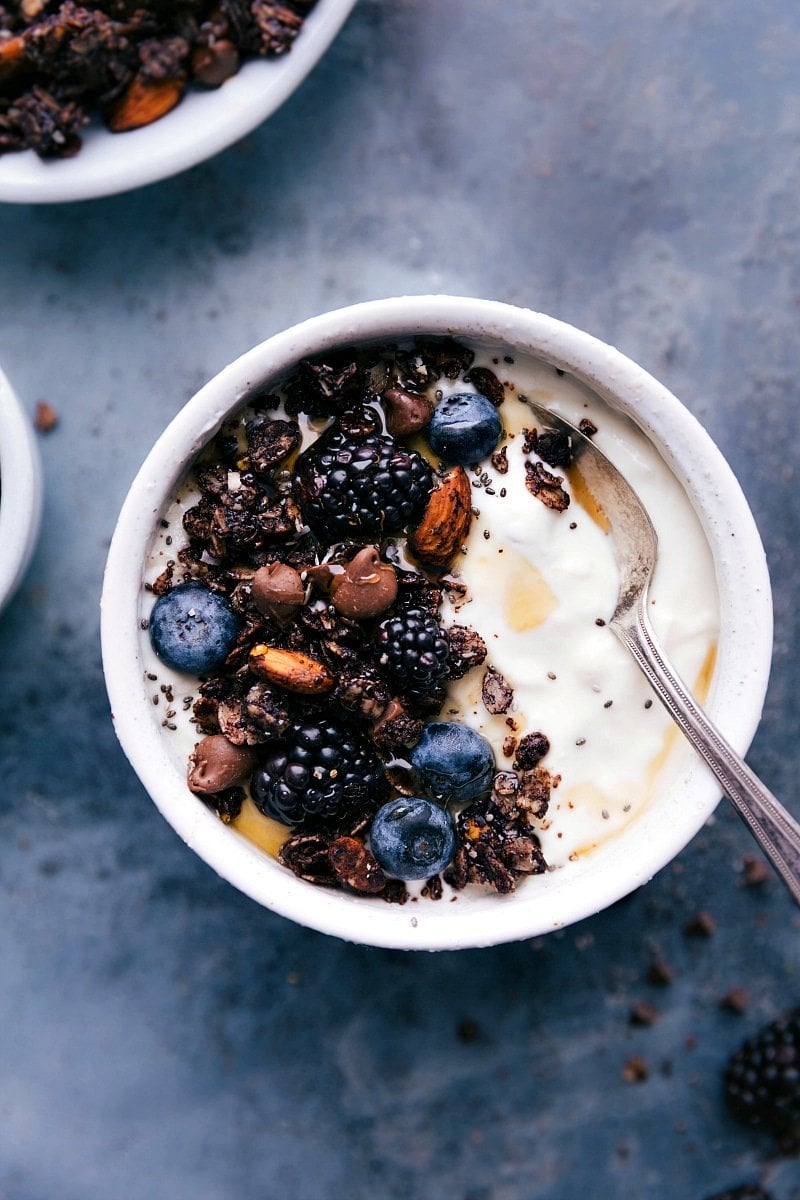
(635, 549)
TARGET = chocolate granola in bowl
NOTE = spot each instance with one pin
(355, 625)
(181, 81)
(342, 572)
(131, 61)
(20, 491)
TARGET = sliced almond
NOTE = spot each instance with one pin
(445, 524)
(292, 670)
(144, 101)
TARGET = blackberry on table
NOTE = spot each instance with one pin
(414, 650)
(361, 488)
(762, 1080)
(748, 1191)
(319, 769)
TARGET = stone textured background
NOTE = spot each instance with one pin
(631, 168)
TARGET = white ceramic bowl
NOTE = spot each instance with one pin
(21, 494)
(562, 896)
(204, 123)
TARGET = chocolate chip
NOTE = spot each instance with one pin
(366, 588)
(277, 591)
(406, 413)
(216, 764)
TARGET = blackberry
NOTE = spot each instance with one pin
(414, 651)
(762, 1080)
(318, 769)
(748, 1191)
(361, 488)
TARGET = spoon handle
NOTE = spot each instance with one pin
(775, 829)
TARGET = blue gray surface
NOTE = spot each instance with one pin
(631, 168)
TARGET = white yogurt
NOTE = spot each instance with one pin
(539, 585)
(539, 582)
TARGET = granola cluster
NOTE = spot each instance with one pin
(131, 61)
(315, 612)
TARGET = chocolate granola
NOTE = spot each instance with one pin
(313, 611)
(128, 61)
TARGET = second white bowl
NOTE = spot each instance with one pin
(20, 491)
(203, 124)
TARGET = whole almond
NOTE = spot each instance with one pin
(11, 49)
(445, 523)
(13, 59)
(144, 101)
(292, 670)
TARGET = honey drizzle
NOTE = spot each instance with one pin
(587, 499)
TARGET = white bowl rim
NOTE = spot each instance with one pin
(203, 124)
(745, 642)
(21, 499)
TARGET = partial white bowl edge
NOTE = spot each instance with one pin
(21, 494)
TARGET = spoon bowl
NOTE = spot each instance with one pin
(20, 491)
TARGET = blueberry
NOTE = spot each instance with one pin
(412, 838)
(193, 629)
(464, 428)
(454, 762)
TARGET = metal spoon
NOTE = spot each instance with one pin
(635, 548)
